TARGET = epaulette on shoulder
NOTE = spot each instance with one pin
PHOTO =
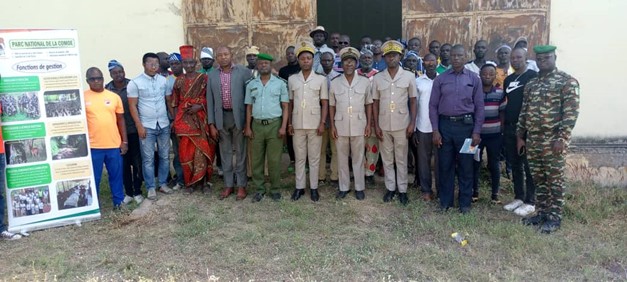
(336, 77)
(279, 78)
(320, 73)
(249, 80)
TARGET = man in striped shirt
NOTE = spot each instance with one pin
(491, 131)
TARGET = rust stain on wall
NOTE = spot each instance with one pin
(465, 21)
(273, 25)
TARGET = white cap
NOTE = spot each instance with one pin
(206, 52)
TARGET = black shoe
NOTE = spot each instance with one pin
(258, 196)
(297, 193)
(276, 196)
(389, 195)
(370, 180)
(534, 220)
(335, 183)
(314, 195)
(550, 226)
(464, 210)
(360, 195)
(341, 195)
(402, 197)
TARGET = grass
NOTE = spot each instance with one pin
(198, 237)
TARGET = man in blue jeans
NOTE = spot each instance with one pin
(107, 133)
(147, 96)
(456, 112)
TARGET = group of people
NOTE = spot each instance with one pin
(383, 99)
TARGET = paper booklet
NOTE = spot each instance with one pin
(467, 148)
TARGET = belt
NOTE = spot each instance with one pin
(455, 118)
(227, 110)
(266, 121)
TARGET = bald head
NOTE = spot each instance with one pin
(518, 59)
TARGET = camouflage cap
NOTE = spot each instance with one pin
(541, 49)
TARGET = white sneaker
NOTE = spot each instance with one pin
(165, 189)
(138, 199)
(220, 172)
(176, 187)
(10, 236)
(525, 210)
(513, 205)
(127, 200)
(152, 194)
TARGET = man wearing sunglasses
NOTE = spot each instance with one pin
(107, 133)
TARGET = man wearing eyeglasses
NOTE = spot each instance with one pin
(147, 96)
(107, 133)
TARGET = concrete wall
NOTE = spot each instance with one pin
(590, 40)
(122, 30)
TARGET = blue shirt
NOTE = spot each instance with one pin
(150, 93)
(455, 94)
(266, 99)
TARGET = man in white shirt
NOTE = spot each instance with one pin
(423, 136)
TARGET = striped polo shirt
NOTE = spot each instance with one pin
(495, 102)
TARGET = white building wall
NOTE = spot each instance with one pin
(121, 30)
(590, 40)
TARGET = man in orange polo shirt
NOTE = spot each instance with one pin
(107, 133)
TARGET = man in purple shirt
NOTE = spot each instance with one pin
(456, 111)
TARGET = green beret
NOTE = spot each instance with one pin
(264, 56)
(541, 49)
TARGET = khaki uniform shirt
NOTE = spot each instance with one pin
(350, 104)
(307, 95)
(393, 96)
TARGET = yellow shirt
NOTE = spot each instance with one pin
(101, 109)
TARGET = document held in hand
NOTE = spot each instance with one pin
(468, 148)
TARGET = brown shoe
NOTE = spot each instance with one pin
(241, 194)
(226, 193)
(427, 197)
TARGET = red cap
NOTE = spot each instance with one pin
(187, 51)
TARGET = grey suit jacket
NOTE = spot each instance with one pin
(239, 76)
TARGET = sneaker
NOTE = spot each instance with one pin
(513, 205)
(138, 199)
(525, 210)
(322, 183)
(220, 172)
(10, 236)
(177, 186)
(165, 189)
(152, 194)
(127, 200)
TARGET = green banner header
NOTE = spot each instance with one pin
(42, 43)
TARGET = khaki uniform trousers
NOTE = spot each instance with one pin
(394, 151)
(354, 145)
(307, 146)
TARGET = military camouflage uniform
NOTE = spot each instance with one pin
(549, 113)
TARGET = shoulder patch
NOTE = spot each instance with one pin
(249, 80)
(280, 78)
(335, 77)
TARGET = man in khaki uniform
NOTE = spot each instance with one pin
(350, 107)
(308, 106)
(393, 89)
